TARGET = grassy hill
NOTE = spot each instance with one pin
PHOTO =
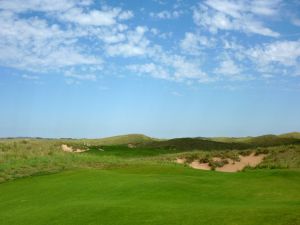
(125, 139)
(198, 143)
(287, 137)
(295, 135)
(272, 140)
(114, 140)
(185, 144)
(223, 143)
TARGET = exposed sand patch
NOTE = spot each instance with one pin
(180, 161)
(200, 166)
(195, 164)
(67, 148)
(131, 146)
(216, 159)
(251, 160)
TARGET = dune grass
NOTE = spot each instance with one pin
(27, 157)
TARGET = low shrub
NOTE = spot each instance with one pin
(245, 152)
(204, 160)
(217, 163)
(260, 151)
(191, 157)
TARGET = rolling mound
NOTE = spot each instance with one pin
(194, 144)
(221, 143)
(272, 140)
(295, 135)
(126, 139)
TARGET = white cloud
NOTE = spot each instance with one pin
(33, 44)
(172, 66)
(93, 17)
(229, 68)
(72, 82)
(126, 49)
(286, 53)
(237, 8)
(271, 60)
(38, 44)
(104, 17)
(163, 35)
(109, 37)
(41, 5)
(265, 7)
(235, 15)
(36, 5)
(90, 77)
(185, 69)
(126, 15)
(166, 14)
(150, 69)
(169, 66)
(161, 2)
(66, 34)
(194, 43)
(136, 44)
(227, 7)
(30, 77)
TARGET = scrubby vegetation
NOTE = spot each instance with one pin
(200, 143)
(26, 157)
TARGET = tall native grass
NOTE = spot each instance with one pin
(27, 157)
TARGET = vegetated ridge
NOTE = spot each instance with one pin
(202, 143)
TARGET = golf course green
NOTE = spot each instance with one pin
(169, 194)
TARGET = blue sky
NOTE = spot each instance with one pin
(89, 68)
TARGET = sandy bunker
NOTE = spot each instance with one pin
(251, 160)
(67, 148)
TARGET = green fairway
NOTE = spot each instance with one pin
(138, 182)
(170, 194)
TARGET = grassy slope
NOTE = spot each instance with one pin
(270, 140)
(291, 135)
(153, 195)
(123, 139)
(142, 186)
(21, 158)
(193, 144)
(222, 143)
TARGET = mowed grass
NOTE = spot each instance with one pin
(170, 194)
(116, 185)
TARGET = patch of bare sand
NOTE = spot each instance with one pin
(180, 161)
(67, 148)
(131, 146)
(200, 166)
(250, 160)
(216, 159)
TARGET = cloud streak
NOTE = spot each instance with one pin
(80, 39)
(240, 16)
